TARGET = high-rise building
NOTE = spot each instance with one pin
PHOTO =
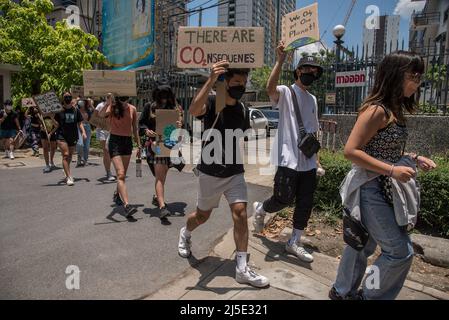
(255, 13)
(385, 39)
(429, 30)
(169, 16)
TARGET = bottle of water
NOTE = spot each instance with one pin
(139, 168)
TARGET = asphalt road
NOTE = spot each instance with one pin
(47, 226)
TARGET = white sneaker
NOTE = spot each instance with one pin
(47, 169)
(11, 155)
(300, 252)
(252, 278)
(184, 245)
(110, 178)
(70, 181)
(259, 217)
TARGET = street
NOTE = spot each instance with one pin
(47, 226)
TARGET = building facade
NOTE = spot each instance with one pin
(377, 42)
(429, 30)
(255, 13)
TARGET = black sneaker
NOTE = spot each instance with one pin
(156, 202)
(116, 198)
(333, 295)
(163, 213)
(129, 211)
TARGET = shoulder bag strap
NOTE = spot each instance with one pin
(302, 130)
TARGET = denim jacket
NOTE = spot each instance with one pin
(406, 196)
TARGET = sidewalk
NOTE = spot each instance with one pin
(212, 278)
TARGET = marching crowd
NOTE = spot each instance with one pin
(381, 167)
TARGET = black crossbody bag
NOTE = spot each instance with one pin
(307, 142)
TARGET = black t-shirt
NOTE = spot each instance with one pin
(233, 118)
(68, 121)
(10, 121)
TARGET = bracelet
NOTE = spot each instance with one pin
(391, 171)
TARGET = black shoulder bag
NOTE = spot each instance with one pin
(307, 142)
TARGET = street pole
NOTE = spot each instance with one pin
(200, 20)
(339, 32)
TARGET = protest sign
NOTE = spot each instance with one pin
(48, 103)
(101, 82)
(300, 28)
(77, 91)
(165, 125)
(242, 47)
(28, 102)
(100, 123)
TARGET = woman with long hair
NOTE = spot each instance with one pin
(124, 125)
(163, 98)
(83, 146)
(376, 147)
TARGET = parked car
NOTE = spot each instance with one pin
(273, 119)
(258, 121)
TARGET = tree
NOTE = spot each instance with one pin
(259, 79)
(51, 58)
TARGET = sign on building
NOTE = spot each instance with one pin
(350, 79)
(203, 47)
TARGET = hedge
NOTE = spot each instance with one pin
(434, 212)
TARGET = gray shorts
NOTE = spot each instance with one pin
(102, 135)
(212, 188)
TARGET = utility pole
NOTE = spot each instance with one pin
(200, 20)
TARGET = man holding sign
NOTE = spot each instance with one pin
(296, 176)
(221, 171)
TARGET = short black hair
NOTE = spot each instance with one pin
(8, 102)
(232, 72)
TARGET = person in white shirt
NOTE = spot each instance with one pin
(103, 138)
(296, 176)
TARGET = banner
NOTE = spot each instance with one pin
(203, 47)
(48, 103)
(101, 82)
(301, 27)
(128, 33)
(350, 79)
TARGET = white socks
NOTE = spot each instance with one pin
(186, 233)
(241, 261)
(296, 237)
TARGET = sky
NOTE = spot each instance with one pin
(333, 12)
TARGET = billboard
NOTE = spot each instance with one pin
(128, 33)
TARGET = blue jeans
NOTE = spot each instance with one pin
(83, 147)
(397, 251)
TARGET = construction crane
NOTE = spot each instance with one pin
(348, 15)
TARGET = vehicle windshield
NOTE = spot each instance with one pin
(271, 114)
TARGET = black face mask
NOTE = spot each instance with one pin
(307, 79)
(68, 99)
(237, 92)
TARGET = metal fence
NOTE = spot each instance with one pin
(184, 85)
(434, 92)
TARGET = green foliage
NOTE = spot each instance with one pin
(51, 58)
(434, 191)
(259, 79)
(428, 108)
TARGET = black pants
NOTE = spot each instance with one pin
(288, 186)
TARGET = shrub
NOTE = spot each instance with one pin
(434, 191)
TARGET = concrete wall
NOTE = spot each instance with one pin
(427, 134)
